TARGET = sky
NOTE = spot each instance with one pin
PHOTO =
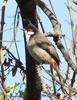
(60, 8)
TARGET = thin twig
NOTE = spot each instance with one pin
(4, 92)
(1, 37)
(70, 6)
(52, 76)
(52, 7)
(40, 23)
(54, 87)
(15, 30)
(20, 65)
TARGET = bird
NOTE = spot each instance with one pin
(40, 48)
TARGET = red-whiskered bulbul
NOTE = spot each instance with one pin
(40, 47)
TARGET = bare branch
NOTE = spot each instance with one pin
(57, 30)
(56, 25)
(15, 27)
(1, 36)
(19, 63)
(4, 92)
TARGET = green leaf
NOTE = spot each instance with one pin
(21, 93)
(56, 75)
(49, 71)
(1, 96)
(11, 88)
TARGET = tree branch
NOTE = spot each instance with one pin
(56, 25)
(57, 30)
(34, 87)
(1, 36)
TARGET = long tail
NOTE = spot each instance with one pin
(55, 66)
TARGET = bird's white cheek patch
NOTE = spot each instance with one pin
(28, 35)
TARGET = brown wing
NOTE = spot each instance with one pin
(44, 43)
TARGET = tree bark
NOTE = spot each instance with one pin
(33, 87)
